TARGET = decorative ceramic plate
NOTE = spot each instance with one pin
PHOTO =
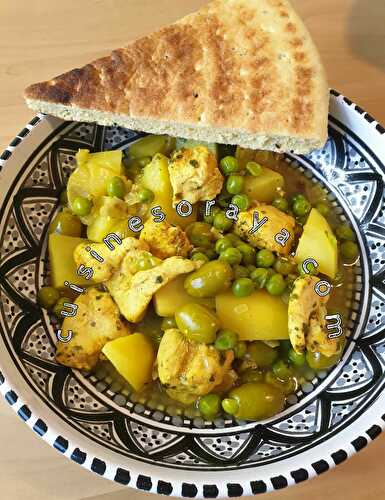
(100, 426)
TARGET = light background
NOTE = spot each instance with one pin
(43, 38)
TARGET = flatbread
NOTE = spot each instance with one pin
(242, 72)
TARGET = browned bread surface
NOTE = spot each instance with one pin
(237, 71)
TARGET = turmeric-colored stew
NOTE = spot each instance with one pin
(199, 277)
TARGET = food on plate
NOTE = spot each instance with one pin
(207, 310)
(242, 72)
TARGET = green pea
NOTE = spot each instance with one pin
(145, 195)
(145, 160)
(311, 269)
(230, 406)
(234, 184)
(231, 255)
(251, 268)
(318, 361)
(240, 350)
(116, 187)
(349, 251)
(301, 207)
(234, 239)
(240, 271)
(276, 284)
(283, 266)
(262, 354)
(260, 277)
(281, 204)
(221, 222)
(212, 278)
(242, 287)
(248, 253)
(67, 224)
(252, 376)
(81, 206)
(297, 359)
(63, 197)
(209, 219)
(323, 208)
(48, 296)
(168, 323)
(297, 197)
(59, 306)
(209, 406)
(226, 339)
(256, 401)
(200, 256)
(197, 323)
(282, 370)
(229, 165)
(199, 234)
(265, 258)
(241, 201)
(345, 232)
(222, 244)
(254, 168)
(224, 198)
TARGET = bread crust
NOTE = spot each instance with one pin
(236, 67)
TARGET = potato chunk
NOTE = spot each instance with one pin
(133, 291)
(189, 369)
(165, 240)
(265, 235)
(112, 258)
(194, 175)
(97, 321)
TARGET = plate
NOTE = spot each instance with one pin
(136, 443)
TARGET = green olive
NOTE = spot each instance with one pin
(221, 222)
(144, 161)
(231, 255)
(243, 287)
(168, 323)
(265, 258)
(256, 401)
(241, 201)
(226, 339)
(48, 296)
(197, 323)
(229, 165)
(345, 232)
(276, 284)
(145, 195)
(200, 234)
(281, 204)
(282, 370)
(116, 187)
(67, 224)
(252, 376)
(248, 253)
(59, 306)
(81, 206)
(149, 146)
(288, 386)
(262, 354)
(240, 350)
(254, 168)
(234, 184)
(209, 406)
(212, 278)
(318, 361)
(349, 251)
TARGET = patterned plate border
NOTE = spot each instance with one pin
(208, 485)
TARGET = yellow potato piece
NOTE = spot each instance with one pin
(319, 243)
(264, 188)
(133, 357)
(260, 316)
(156, 178)
(173, 296)
(62, 264)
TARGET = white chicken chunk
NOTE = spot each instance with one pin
(112, 259)
(190, 369)
(97, 321)
(165, 240)
(194, 175)
(307, 319)
(133, 291)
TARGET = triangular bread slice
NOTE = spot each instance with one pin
(242, 72)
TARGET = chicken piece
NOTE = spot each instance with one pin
(307, 324)
(194, 175)
(190, 369)
(266, 235)
(133, 291)
(165, 240)
(112, 258)
(97, 321)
